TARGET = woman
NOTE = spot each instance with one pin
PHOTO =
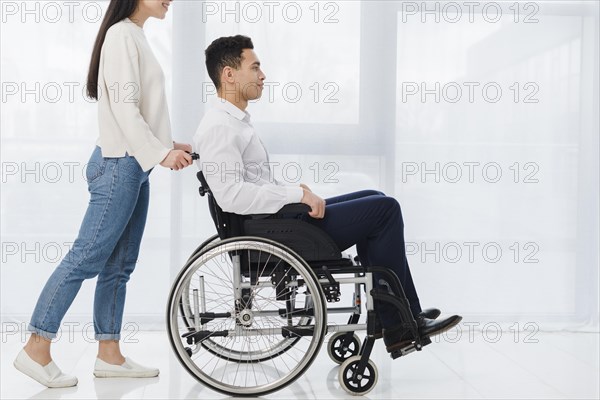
(135, 136)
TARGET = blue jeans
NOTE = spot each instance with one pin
(107, 246)
(373, 222)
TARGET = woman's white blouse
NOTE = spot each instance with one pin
(132, 105)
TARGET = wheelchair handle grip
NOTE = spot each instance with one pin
(195, 156)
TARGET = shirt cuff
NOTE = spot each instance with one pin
(150, 155)
(294, 194)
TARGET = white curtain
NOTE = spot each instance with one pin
(482, 120)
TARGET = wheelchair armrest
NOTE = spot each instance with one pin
(293, 208)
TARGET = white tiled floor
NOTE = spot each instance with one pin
(559, 365)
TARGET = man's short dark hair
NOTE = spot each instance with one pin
(225, 52)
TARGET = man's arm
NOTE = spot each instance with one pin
(221, 161)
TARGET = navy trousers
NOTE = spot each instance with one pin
(373, 222)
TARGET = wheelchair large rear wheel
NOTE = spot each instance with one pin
(244, 328)
(210, 241)
(266, 352)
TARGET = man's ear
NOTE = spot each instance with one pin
(227, 75)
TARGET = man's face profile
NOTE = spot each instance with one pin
(249, 78)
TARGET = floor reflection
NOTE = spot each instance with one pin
(117, 388)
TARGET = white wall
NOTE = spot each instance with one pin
(361, 122)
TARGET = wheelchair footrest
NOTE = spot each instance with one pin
(410, 348)
(297, 331)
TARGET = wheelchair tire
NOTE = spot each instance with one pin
(362, 384)
(265, 324)
(213, 239)
(340, 353)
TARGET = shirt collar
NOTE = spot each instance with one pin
(232, 110)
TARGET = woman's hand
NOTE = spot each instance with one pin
(182, 146)
(177, 159)
(303, 186)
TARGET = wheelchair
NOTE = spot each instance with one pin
(247, 314)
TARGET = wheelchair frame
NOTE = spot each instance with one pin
(203, 339)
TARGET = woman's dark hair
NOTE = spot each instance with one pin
(225, 52)
(117, 11)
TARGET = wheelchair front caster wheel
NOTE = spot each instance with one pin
(339, 352)
(357, 384)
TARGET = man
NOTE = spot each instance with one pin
(236, 167)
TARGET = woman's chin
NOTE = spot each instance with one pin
(161, 15)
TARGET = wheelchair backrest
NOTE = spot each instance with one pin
(227, 224)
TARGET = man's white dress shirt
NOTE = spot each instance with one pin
(236, 164)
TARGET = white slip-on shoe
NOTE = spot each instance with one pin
(49, 375)
(129, 369)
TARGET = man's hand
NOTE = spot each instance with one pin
(316, 204)
(303, 186)
(177, 159)
(182, 146)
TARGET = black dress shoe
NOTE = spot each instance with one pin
(429, 327)
(398, 337)
(431, 313)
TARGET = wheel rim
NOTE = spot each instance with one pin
(225, 352)
(336, 350)
(367, 380)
